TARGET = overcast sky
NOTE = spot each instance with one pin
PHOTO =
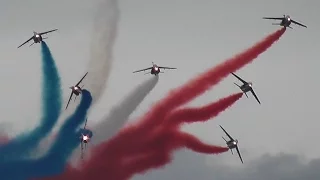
(191, 35)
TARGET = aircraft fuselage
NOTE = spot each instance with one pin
(37, 38)
(76, 90)
(85, 138)
(246, 87)
(155, 70)
(232, 144)
(286, 21)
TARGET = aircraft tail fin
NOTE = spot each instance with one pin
(224, 139)
(237, 84)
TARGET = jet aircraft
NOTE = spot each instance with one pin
(85, 138)
(155, 70)
(232, 143)
(76, 90)
(37, 37)
(246, 87)
(285, 21)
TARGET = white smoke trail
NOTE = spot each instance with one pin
(103, 39)
(118, 116)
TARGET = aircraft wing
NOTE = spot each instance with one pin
(47, 32)
(273, 18)
(298, 23)
(243, 81)
(254, 94)
(142, 70)
(25, 42)
(161, 67)
(81, 79)
(226, 133)
(238, 151)
(69, 99)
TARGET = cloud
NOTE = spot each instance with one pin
(190, 166)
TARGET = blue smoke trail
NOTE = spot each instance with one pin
(52, 102)
(53, 163)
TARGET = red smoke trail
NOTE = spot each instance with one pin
(121, 161)
(203, 82)
(124, 144)
(106, 156)
(177, 118)
(160, 155)
(190, 115)
(168, 142)
(193, 88)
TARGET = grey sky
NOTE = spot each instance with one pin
(191, 35)
(191, 166)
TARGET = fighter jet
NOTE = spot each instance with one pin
(76, 90)
(232, 143)
(285, 21)
(155, 70)
(246, 87)
(37, 37)
(85, 138)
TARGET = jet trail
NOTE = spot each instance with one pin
(103, 39)
(53, 163)
(52, 102)
(119, 115)
(203, 82)
(126, 155)
(191, 115)
(111, 157)
(173, 121)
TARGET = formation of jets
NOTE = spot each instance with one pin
(286, 21)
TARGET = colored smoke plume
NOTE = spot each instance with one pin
(54, 161)
(119, 115)
(190, 115)
(102, 42)
(124, 156)
(150, 140)
(205, 81)
(52, 102)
